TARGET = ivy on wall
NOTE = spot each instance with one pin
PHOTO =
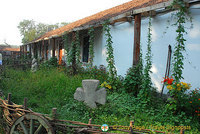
(67, 48)
(110, 55)
(147, 84)
(181, 16)
(77, 46)
(91, 46)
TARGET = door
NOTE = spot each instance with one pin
(60, 54)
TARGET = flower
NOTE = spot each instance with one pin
(170, 81)
(102, 85)
(179, 88)
(105, 84)
(169, 87)
(109, 86)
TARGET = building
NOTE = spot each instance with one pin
(129, 27)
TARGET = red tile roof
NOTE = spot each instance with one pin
(10, 49)
(101, 16)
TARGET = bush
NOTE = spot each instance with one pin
(53, 62)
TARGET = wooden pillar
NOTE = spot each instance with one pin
(47, 49)
(40, 49)
(137, 30)
(53, 47)
(23, 51)
(43, 50)
(30, 49)
(26, 50)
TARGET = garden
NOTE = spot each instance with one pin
(129, 98)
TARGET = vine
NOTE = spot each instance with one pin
(147, 84)
(175, 86)
(67, 48)
(134, 78)
(110, 54)
(181, 16)
(91, 46)
(77, 44)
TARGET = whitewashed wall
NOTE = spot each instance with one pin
(123, 38)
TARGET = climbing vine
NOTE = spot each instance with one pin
(91, 45)
(147, 84)
(181, 16)
(67, 48)
(110, 54)
(77, 44)
(175, 86)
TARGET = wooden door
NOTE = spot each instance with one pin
(60, 54)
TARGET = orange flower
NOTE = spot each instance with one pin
(190, 101)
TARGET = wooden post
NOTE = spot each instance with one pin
(137, 30)
(26, 50)
(131, 126)
(53, 49)
(9, 98)
(30, 51)
(182, 131)
(90, 122)
(43, 50)
(25, 103)
(54, 114)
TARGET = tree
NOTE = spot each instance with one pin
(27, 30)
(31, 30)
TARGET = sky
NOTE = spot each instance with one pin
(45, 11)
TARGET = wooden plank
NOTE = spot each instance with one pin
(136, 48)
(125, 19)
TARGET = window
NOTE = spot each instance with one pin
(85, 49)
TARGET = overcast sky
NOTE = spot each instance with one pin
(45, 11)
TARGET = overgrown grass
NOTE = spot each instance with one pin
(49, 88)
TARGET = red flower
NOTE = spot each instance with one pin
(165, 80)
(170, 81)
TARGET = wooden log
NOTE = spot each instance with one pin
(137, 30)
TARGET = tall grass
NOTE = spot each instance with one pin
(44, 89)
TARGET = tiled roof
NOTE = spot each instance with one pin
(10, 49)
(101, 16)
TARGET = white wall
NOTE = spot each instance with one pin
(123, 38)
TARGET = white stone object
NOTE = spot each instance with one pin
(34, 65)
(90, 93)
